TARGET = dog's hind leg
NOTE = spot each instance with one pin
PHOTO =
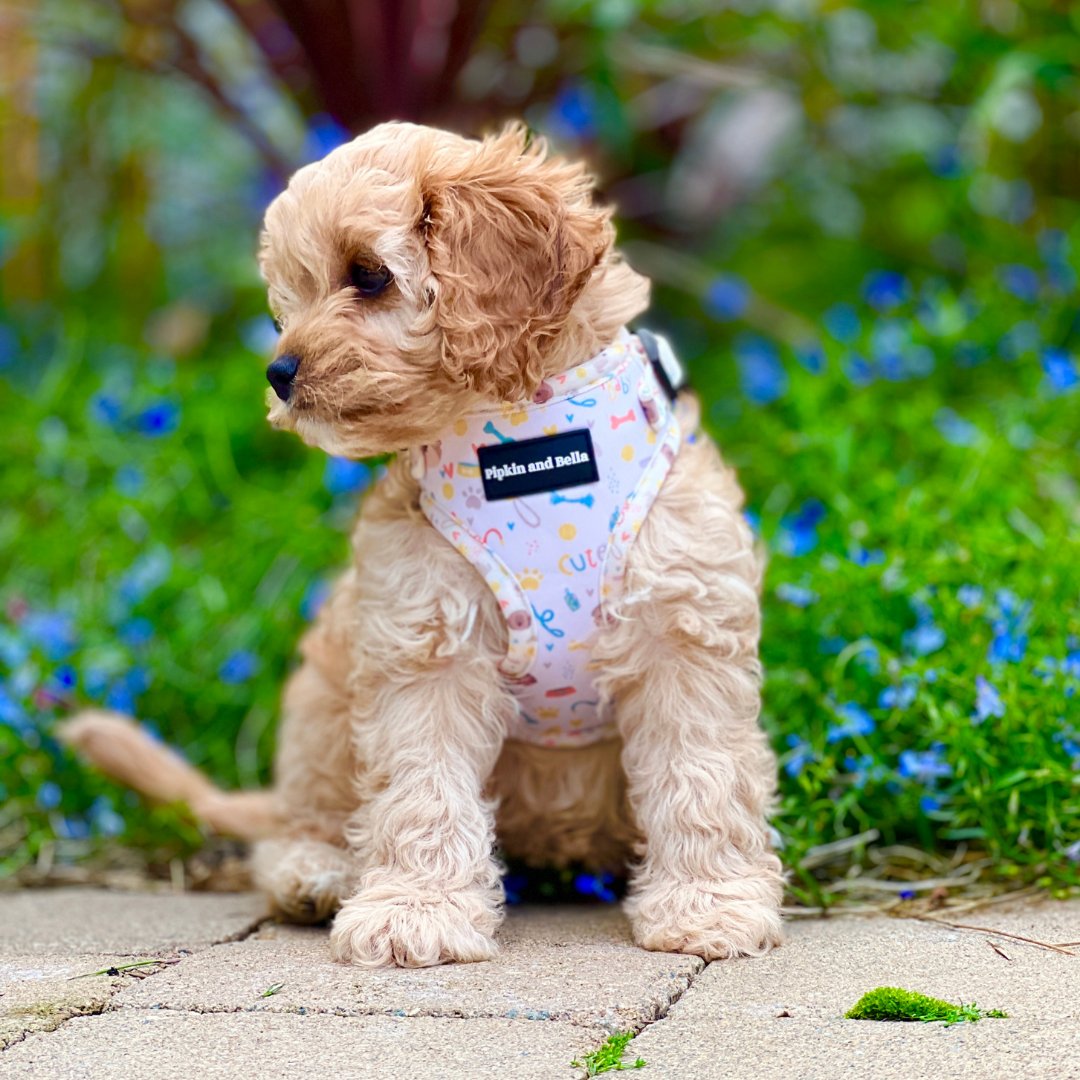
(305, 879)
(306, 869)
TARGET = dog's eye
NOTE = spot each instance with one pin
(368, 281)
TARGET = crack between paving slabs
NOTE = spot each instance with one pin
(108, 1005)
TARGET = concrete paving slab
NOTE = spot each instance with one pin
(576, 965)
(827, 965)
(178, 1046)
(84, 920)
(739, 1047)
(39, 994)
(729, 1023)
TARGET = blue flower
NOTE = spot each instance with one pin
(955, 429)
(885, 289)
(865, 769)
(106, 409)
(798, 531)
(9, 341)
(1021, 281)
(929, 803)
(842, 322)
(64, 678)
(238, 667)
(970, 596)
(861, 556)
(727, 297)
(105, 820)
(259, 335)
(12, 713)
(868, 658)
(573, 113)
(799, 756)
(136, 632)
(314, 597)
(145, 574)
(53, 631)
(858, 370)
(513, 886)
(343, 476)
(129, 480)
(95, 681)
(1010, 640)
(812, 357)
(761, 374)
(1023, 337)
(926, 638)
(988, 701)
(49, 795)
(926, 766)
(855, 720)
(158, 419)
(13, 650)
(1060, 371)
(120, 698)
(946, 162)
(795, 595)
(72, 828)
(596, 885)
(324, 134)
(901, 696)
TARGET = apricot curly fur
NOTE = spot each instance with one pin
(394, 779)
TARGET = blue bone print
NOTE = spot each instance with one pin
(556, 498)
(491, 429)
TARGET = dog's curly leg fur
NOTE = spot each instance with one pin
(431, 712)
(683, 668)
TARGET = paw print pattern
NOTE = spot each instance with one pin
(530, 579)
(473, 496)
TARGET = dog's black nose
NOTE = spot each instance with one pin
(281, 374)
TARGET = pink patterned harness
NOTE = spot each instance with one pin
(544, 499)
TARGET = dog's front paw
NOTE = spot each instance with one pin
(378, 928)
(716, 922)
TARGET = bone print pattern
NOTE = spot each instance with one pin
(553, 594)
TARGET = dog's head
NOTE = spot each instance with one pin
(414, 272)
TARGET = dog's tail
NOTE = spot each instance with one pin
(124, 751)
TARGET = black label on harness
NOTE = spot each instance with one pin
(512, 469)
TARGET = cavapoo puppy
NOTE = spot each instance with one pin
(546, 641)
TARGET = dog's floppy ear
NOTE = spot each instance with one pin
(512, 239)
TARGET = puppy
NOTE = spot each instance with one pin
(563, 687)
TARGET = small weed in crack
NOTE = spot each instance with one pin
(608, 1057)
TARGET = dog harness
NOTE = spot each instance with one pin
(544, 499)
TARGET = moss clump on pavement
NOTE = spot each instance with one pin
(608, 1056)
(892, 1003)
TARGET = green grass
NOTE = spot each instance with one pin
(890, 1003)
(609, 1056)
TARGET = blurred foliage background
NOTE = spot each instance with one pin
(861, 220)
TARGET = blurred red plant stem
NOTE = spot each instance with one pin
(368, 60)
(681, 271)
